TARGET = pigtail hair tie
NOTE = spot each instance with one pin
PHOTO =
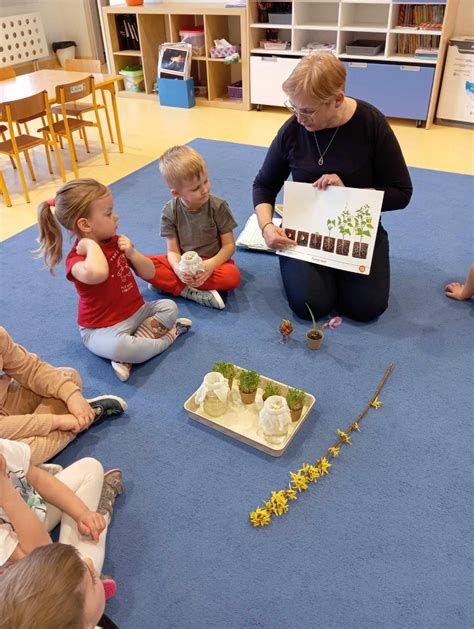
(51, 202)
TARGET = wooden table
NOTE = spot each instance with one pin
(34, 82)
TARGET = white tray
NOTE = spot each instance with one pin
(241, 421)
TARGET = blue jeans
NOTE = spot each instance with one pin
(116, 341)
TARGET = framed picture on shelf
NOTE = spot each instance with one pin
(174, 61)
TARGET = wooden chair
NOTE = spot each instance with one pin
(31, 107)
(9, 73)
(69, 93)
(78, 109)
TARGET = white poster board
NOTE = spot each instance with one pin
(336, 227)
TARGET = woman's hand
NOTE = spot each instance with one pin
(91, 524)
(276, 238)
(328, 180)
(3, 467)
(78, 406)
(127, 246)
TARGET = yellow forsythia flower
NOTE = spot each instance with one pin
(291, 493)
(323, 465)
(299, 482)
(311, 472)
(376, 403)
(260, 517)
(279, 502)
(334, 451)
(344, 437)
(355, 426)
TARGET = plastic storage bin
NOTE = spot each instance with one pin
(176, 93)
(370, 47)
(279, 18)
(195, 37)
(234, 91)
(133, 78)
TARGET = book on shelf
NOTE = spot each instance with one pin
(426, 53)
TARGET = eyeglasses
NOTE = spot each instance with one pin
(302, 114)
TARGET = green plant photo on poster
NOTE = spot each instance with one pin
(362, 227)
(329, 241)
(344, 226)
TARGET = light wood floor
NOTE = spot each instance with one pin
(148, 130)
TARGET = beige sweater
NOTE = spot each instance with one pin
(32, 374)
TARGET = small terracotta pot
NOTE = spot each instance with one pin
(134, 3)
(295, 415)
(248, 398)
(314, 339)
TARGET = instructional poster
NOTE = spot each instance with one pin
(336, 227)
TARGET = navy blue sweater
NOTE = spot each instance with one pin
(365, 154)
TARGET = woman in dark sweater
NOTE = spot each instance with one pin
(332, 140)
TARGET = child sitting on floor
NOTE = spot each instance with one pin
(32, 502)
(194, 220)
(114, 321)
(53, 586)
(458, 291)
(43, 406)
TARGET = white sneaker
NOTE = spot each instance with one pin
(121, 370)
(209, 298)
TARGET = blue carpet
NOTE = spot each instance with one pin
(385, 540)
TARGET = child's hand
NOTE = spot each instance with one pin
(126, 245)
(91, 524)
(78, 406)
(67, 423)
(204, 275)
(83, 246)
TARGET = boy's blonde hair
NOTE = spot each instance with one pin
(319, 76)
(44, 589)
(180, 164)
(72, 203)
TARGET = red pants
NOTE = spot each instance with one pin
(225, 277)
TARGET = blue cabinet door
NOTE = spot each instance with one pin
(399, 91)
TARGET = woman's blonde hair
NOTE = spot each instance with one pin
(72, 203)
(319, 76)
(44, 590)
(180, 164)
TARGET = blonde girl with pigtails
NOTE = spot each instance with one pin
(114, 321)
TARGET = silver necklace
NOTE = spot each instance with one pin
(321, 155)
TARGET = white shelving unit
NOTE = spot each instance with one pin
(403, 80)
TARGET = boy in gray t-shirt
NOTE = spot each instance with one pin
(194, 220)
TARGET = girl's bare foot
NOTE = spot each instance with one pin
(455, 290)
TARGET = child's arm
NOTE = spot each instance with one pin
(30, 532)
(142, 266)
(58, 494)
(225, 253)
(95, 268)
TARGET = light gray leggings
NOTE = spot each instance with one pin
(116, 341)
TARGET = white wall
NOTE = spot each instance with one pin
(465, 19)
(62, 20)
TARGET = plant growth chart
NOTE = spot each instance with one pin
(336, 227)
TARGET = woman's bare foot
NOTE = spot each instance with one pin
(455, 290)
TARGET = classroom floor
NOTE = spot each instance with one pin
(149, 129)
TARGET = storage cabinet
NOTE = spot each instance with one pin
(159, 23)
(395, 80)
